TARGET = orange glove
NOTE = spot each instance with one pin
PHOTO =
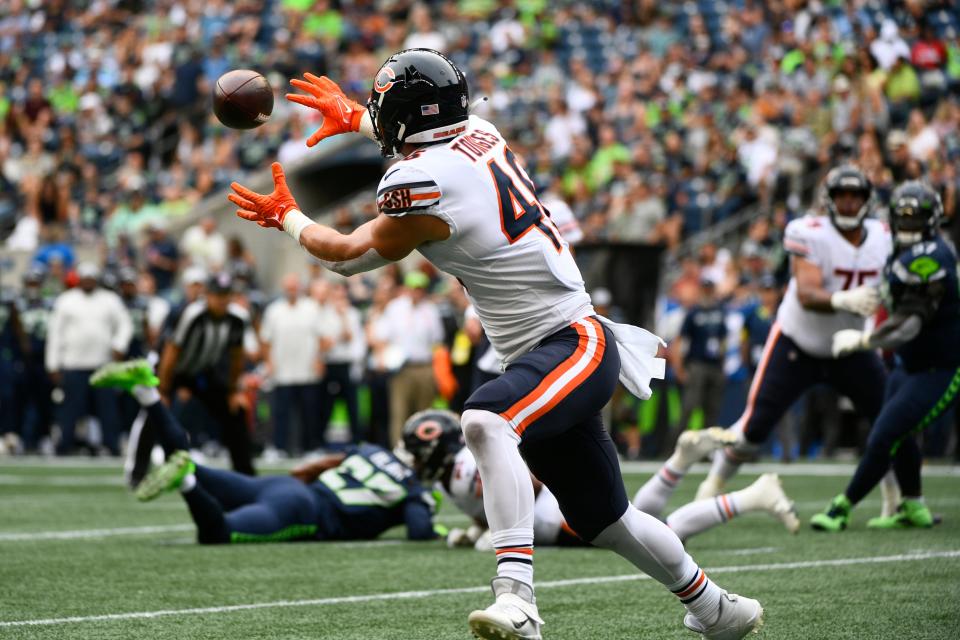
(265, 210)
(340, 113)
(443, 373)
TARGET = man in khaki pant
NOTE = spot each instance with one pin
(412, 326)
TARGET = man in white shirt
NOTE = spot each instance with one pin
(89, 326)
(347, 347)
(291, 336)
(204, 246)
(412, 324)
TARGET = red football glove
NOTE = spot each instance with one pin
(340, 113)
(265, 210)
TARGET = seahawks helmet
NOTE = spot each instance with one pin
(915, 213)
(418, 96)
(847, 178)
(432, 438)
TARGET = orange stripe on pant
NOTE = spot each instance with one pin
(571, 362)
(758, 376)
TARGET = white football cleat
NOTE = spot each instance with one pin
(738, 617)
(772, 499)
(693, 446)
(711, 487)
(513, 616)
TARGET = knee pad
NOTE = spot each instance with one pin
(481, 426)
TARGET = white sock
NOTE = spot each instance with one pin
(188, 483)
(697, 517)
(654, 494)
(507, 491)
(146, 396)
(653, 548)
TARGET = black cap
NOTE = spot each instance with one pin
(767, 281)
(127, 275)
(220, 283)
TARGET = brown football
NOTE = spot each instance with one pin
(242, 99)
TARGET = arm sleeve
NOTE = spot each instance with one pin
(419, 520)
(406, 189)
(896, 331)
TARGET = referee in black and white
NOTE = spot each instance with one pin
(203, 359)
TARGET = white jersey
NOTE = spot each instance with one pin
(843, 266)
(466, 491)
(517, 269)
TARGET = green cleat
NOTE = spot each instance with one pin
(910, 513)
(125, 375)
(167, 477)
(835, 518)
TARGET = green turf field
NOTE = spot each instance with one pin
(80, 558)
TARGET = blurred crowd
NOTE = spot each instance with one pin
(642, 121)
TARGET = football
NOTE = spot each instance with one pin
(242, 99)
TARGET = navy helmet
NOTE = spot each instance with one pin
(419, 96)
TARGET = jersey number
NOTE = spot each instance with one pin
(517, 214)
(378, 490)
(850, 275)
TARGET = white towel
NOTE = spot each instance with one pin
(638, 361)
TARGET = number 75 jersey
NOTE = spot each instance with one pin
(503, 246)
(842, 265)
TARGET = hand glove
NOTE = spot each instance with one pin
(340, 113)
(464, 537)
(849, 341)
(484, 542)
(862, 301)
(265, 210)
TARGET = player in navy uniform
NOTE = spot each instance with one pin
(924, 329)
(837, 261)
(355, 495)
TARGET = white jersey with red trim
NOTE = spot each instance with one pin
(465, 489)
(517, 269)
(843, 265)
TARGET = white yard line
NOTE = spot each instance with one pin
(409, 595)
(80, 534)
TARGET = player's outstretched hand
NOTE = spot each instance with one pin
(266, 210)
(340, 113)
(862, 301)
(847, 341)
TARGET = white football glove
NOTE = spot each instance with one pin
(484, 542)
(849, 341)
(862, 301)
(464, 537)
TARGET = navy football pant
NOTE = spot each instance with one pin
(551, 397)
(228, 506)
(913, 402)
(785, 372)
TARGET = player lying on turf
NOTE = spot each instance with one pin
(836, 262)
(460, 197)
(356, 495)
(924, 330)
(434, 440)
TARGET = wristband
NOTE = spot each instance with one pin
(295, 222)
(366, 126)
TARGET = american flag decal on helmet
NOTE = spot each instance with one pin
(430, 110)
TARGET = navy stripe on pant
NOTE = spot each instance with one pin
(786, 372)
(913, 402)
(552, 397)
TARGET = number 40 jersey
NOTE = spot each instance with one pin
(503, 246)
(843, 266)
